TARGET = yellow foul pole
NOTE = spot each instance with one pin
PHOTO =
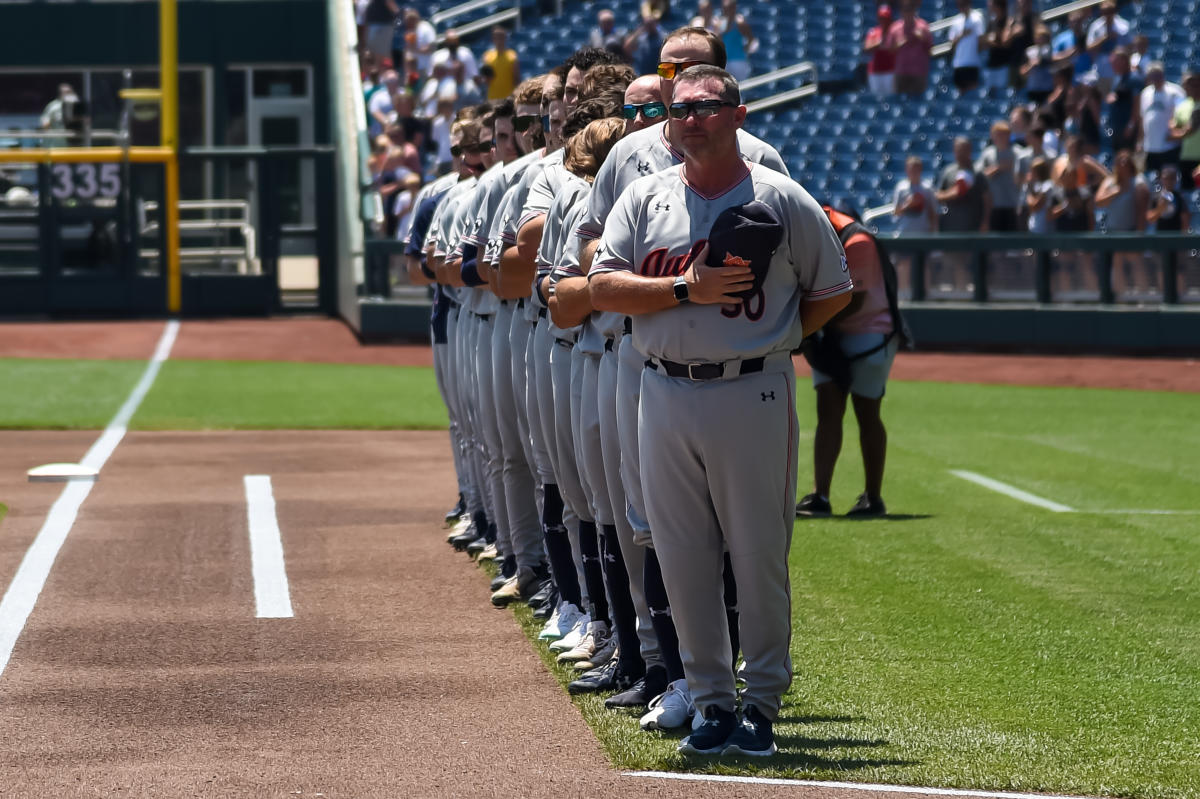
(168, 65)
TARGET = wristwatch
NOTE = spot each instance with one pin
(681, 290)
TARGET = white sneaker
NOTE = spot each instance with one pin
(550, 631)
(572, 638)
(605, 652)
(670, 709)
(592, 640)
(567, 615)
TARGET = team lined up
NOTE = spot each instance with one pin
(612, 339)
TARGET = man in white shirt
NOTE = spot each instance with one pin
(453, 52)
(1154, 111)
(1104, 35)
(965, 30)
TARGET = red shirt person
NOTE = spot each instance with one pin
(881, 69)
(911, 40)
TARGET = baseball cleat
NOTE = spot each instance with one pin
(867, 508)
(671, 709)
(596, 680)
(814, 506)
(603, 654)
(752, 737)
(711, 736)
(589, 644)
(560, 625)
(457, 512)
(573, 636)
(487, 553)
(641, 692)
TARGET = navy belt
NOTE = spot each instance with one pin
(521, 303)
(705, 371)
(608, 345)
(628, 325)
(542, 313)
(503, 303)
(564, 344)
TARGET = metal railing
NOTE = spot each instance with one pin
(215, 216)
(800, 68)
(500, 17)
(439, 17)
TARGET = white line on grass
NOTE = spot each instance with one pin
(1012, 491)
(34, 570)
(271, 595)
(849, 786)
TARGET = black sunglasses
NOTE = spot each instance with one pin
(648, 110)
(522, 124)
(701, 108)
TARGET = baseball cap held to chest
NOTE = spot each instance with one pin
(751, 232)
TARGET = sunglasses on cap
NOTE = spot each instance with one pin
(667, 70)
(648, 110)
(701, 108)
(522, 124)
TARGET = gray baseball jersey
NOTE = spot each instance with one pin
(661, 223)
(439, 186)
(554, 235)
(648, 151)
(589, 338)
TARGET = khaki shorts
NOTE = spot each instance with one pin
(869, 374)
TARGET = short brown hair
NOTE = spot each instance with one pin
(730, 92)
(529, 91)
(588, 148)
(606, 77)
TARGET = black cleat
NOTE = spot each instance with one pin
(867, 508)
(711, 737)
(814, 506)
(752, 737)
(457, 512)
(597, 680)
(641, 692)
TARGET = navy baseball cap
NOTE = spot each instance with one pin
(752, 232)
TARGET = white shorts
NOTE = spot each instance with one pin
(869, 374)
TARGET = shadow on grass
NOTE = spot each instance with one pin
(891, 517)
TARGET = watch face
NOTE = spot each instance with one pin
(681, 290)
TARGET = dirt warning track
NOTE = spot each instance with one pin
(143, 670)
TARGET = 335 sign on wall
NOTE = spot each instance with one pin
(85, 181)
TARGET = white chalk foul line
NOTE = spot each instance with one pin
(1012, 491)
(31, 576)
(849, 786)
(271, 596)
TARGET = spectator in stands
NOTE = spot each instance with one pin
(1155, 110)
(1038, 197)
(1083, 115)
(1019, 121)
(1185, 128)
(472, 92)
(966, 30)
(439, 83)
(1088, 171)
(404, 153)
(964, 193)
(1126, 88)
(881, 69)
(1056, 103)
(440, 132)
(1022, 26)
(997, 41)
(1071, 207)
(643, 43)
(58, 112)
(1105, 35)
(1168, 210)
(379, 18)
(1036, 71)
(605, 35)
(1069, 46)
(998, 163)
(419, 38)
(379, 107)
(506, 70)
(705, 16)
(913, 203)
(1139, 59)
(1045, 121)
(738, 38)
(910, 39)
(1125, 196)
(455, 54)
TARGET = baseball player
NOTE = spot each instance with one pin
(717, 310)
(643, 153)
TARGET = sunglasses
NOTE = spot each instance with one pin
(546, 123)
(667, 70)
(479, 149)
(522, 124)
(701, 108)
(648, 110)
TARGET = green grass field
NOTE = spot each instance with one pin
(970, 641)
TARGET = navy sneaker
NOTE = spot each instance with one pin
(752, 737)
(710, 737)
(599, 679)
(640, 692)
(867, 508)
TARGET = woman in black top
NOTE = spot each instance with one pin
(996, 41)
(1168, 210)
